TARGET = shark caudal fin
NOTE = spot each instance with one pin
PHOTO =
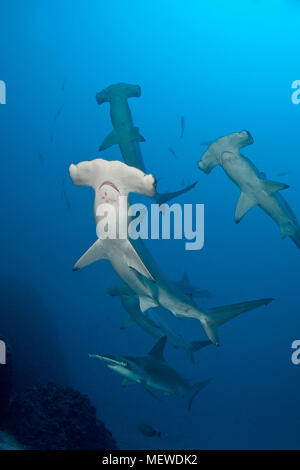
(296, 238)
(216, 317)
(196, 346)
(288, 229)
(162, 198)
(195, 389)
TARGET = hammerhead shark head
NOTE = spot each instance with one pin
(112, 182)
(125, 134)
(152, 324)
(255, 188)
(152, 372)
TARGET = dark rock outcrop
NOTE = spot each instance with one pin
(31, 332)
(51, 417)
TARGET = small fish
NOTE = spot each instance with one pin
(57, 114)
(283, 173)
(66, 199)
(63, 85)
(182, 124)
(41, 158)
(172, 152)
(148, 431)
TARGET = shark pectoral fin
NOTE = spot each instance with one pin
(135, 135)
(127, 382)
(94, 253)
(273, 186)
(147, 302)
(135, 262)
(216, 317)
(151, 393)
(195, 389)
(111, 139)
(127, 323)
(244, 204)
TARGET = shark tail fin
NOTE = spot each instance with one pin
(161, 198)
(296, 238)
(216, 317)
(195, 389)
(94, 253)
(288, 229)
(196, 346)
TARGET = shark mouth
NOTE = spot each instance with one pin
(112, 362)
(109, 183)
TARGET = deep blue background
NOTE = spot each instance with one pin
(225, 66)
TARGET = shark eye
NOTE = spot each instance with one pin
(247, 133)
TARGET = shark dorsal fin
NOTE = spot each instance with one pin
(157, 352)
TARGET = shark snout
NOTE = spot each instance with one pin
(73, 170)
(111, 361)
(204, 167)
(150, 185)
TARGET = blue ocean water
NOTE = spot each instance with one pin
(224, 66)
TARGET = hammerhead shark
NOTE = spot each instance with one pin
(152, 324)
(111, 181)
(152, 372)
(185, 285)
(125, 134)
(255, 188)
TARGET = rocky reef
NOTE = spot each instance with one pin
(8, 442)
(32, 334)
(52, 417)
